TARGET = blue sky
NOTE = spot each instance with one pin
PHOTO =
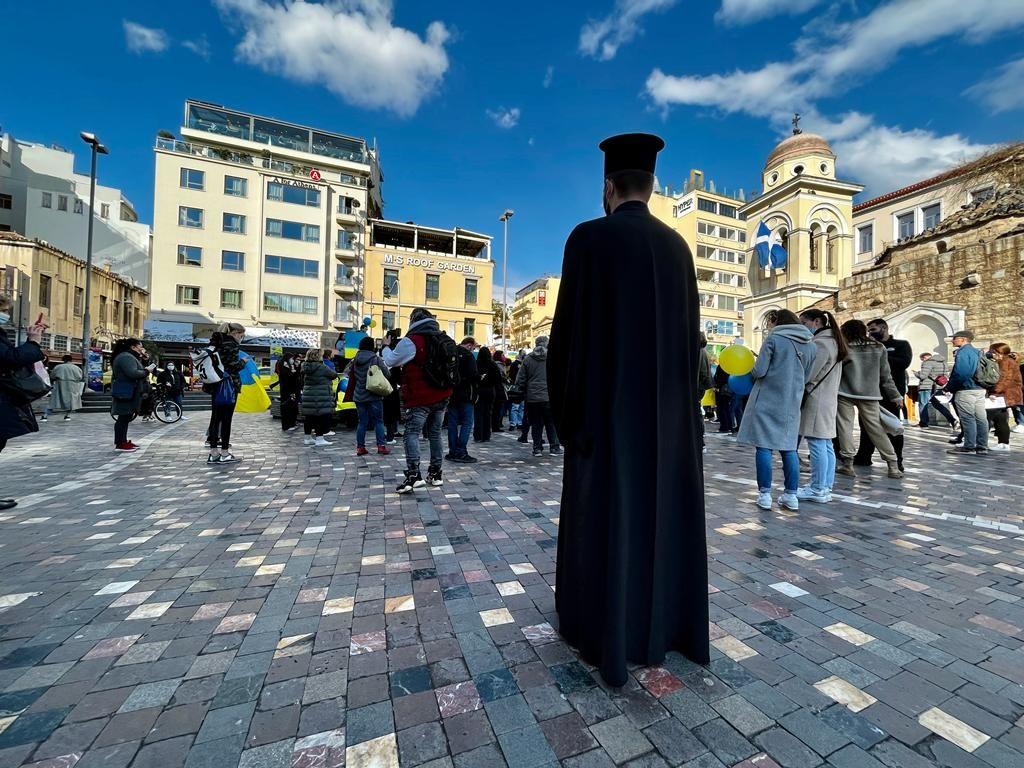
(479, 106)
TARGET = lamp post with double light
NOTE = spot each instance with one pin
(504, 279)
(97, 149)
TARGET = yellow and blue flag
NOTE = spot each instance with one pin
(253, 398)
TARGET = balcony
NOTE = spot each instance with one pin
(346, 245)
(344, 286)
(346, 321)
(348, 211)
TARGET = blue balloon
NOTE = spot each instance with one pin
(366, 320)
(741, 385)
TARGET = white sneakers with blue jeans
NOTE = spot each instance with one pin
(970, 406)
(823, 470)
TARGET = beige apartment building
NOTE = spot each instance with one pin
(261, 222)
(710, 223)
(45, 281)
(448, 271)
(533, 311)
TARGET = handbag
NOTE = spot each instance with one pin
(23, 385)
(226, 394)
(377, 383)
(123, 389)
(891, 423)
(817, 384)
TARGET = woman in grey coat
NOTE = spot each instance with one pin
(866, 381)
(126, 386)
(771, 421)
(318, 398)
(821, 398)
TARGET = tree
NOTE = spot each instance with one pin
(499, 317)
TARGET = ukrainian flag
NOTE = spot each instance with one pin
(253, 398)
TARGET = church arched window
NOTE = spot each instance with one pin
(815, 237)
(831, 246)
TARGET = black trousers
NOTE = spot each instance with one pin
(289, 412)
(498, 413)
(121, 429)
(723, 407)
(999, 419)
(542, 420)
(866, 449)
(318, 425)
(220, 425)
(482, 418)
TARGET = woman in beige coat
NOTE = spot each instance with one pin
(821, 397)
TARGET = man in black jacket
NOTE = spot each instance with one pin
(900, 357)
(461, 405)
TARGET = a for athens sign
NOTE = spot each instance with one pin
(439, 264)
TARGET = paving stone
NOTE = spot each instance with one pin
(509, 713)
(171, 753)
(814, 732)
(674, 741)
(526, 748)
(859, 730)
(742, 715)
(786, 750)
(368, 723)
(568, 735)
(621, 739)
(214, 754)
(727, 744)
(421, 743)
(468, 731)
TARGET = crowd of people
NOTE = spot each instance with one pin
(814, 380)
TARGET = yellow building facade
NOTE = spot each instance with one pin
(711, 224)
(533, 311)
(43, 280)
(811, 211)
(448, 271)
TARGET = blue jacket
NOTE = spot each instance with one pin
(964, 369)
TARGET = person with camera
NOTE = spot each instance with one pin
(16, 417)
(128, 384)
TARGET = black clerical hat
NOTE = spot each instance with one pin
(631, 152)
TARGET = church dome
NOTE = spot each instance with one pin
(799, 144)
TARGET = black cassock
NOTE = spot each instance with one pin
(622, 374)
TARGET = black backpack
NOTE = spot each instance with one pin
(441, 366)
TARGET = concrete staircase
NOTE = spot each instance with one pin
(95, 402)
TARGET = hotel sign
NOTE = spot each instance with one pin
(291, 182)
(417, 261)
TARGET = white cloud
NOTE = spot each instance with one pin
(141, 39)
(351, 47)
(748, 11)
(549, 75)
(878, 155)
(200, 46)
(1003, 92)
(504, 118)
(601, 38)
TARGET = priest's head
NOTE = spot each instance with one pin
(629, 163)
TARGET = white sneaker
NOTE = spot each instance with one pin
(308, 440)
(789, 501)
(1019, 429)
(291, 429)
(810, 494)
(1001, 447)
(764, 500)
(329, 434)
(321, 442)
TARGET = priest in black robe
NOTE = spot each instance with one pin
(622, 376)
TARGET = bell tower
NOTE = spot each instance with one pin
(811, 210)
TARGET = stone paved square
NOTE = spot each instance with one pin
(291, 610)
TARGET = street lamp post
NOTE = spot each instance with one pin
(97, 149)
(504, 279)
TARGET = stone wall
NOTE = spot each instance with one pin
(919, 272)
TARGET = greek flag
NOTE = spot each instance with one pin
(769, 248)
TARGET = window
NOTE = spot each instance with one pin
(190, 255)
(190, 217)
(79, 207)
(235, 186)
(831, 249)
(235, 223)
(60, 343)
(390, 282)
(815, 244)
(286, 265)
(866, 238)
(46, 341)
(905, 225)
(931, 215)
(433, 287)
(704, 204)
(6, 201)
(469, 326)
(289, 193)
(798, 170)
(103, 309)
(346, 240)
(47, 201)
(387, 320)
(233, 261)
(230, 298)
(45, 282)
(727, 210)
(982, 193)
(293, 230)
(187, 294)
(62, 203)
(105, 211)
(471, 291)
(79, 297)
(192, 179)
(283, 302)
(347, 205)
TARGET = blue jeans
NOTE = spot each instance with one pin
(924, 399)
(970, 404)
(823, 463)
(460, 427)
(515, 418)
(432, 416)
(371, 415)
(790, 469)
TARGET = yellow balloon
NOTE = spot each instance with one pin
(373, 323)
(736, 360)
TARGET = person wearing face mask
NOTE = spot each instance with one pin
(173, 382)
(225, 341)
(127, 387)
(16, 417)
(900, 357)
